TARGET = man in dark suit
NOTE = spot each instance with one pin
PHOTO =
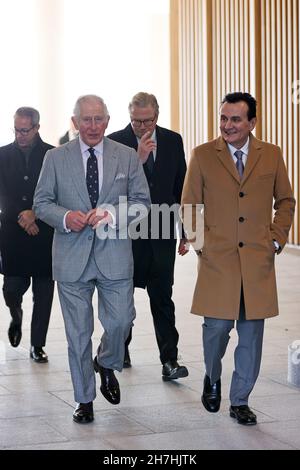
(25, 242)
(161, 152)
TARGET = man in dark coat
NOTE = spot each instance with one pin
(161, 152)
(25, 242)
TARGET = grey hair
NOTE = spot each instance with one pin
(142, 100)
(84, 98)
(32, 113)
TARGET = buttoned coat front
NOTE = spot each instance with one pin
(239, 227)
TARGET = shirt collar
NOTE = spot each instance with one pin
(244, 149)
(84, 147)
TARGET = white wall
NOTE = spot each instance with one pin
(52, 51)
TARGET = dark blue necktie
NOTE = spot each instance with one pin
(239, 164)
(92, 177)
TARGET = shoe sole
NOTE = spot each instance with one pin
(233, 415)
(178, 375)
(82, 422)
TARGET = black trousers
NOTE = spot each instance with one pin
(155, 262)
(42, 288)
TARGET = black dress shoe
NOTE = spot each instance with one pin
(127, 360)
(14, 333)
(243, 415)
(84, 413)
(37, 354)
(109, 385)
(211, 397)
(172, 370)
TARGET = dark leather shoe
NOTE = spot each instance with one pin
(127, 360)
(211, 397)
(172, 370)
(84, 413)
(243, 415)
(14, 333)
(109, 385)
(38, 354)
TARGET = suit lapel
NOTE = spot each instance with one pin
(76, 169)
(110, 165)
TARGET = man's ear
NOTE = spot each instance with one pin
(74, 120)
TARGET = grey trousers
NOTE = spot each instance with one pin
(247, 355)
(116, 316)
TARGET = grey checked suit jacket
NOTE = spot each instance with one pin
(62, 187)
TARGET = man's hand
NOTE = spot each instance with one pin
(32, 230)
(146, 145)
(76, 220)
(97, 217)
(26, 219)
(184, 247)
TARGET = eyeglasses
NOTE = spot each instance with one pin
(139, 122)
(23, 131)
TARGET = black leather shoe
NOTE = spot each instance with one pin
(109, 385)
(127, 360)
(84, 413)
(38, 354)
(172, 370)
(243, 415)
(211, 397)
(14, 333)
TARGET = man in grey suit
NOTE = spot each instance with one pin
(81, 193)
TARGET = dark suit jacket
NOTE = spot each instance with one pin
(165, 188)
(22, 254)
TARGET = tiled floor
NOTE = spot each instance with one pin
(36, 401)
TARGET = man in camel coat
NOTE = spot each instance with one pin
(236, 177)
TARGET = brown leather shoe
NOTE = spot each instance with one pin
(109, 385)
(211, 397)
(172, 370)
(243, 415)
(83, 413)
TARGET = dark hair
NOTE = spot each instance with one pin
(240, 96)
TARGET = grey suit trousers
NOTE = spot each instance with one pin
(116, 314)
(247, 355)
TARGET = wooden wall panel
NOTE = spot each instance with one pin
(239, 45)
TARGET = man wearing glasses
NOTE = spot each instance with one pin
(161, 152)
(25, 242)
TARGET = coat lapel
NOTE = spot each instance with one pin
(226, 159)
(110, 165)
(76, 169)
(253, 157)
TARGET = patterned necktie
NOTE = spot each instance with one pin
(239, 164)
(92, 177)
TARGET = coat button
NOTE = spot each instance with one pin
(26, 178)
(24, 198)
(241, 219)
(242, 194)
(241, 244)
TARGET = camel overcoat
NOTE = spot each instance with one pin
(239, 227)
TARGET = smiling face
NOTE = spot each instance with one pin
(91, 122)
(235, 126)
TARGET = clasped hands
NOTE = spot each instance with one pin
(26, 220)
(77, 220)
